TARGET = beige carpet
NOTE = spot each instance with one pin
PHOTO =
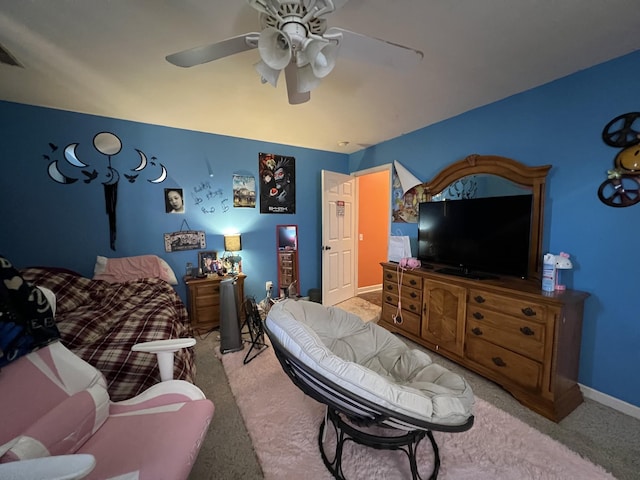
(365, 310)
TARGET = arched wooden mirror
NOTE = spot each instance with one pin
(532, 180)
(288, 265)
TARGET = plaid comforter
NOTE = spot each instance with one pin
(101, 321)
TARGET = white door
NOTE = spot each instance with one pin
(338, 237)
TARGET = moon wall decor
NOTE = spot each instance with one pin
(162, 177)
(57, 176)
(109, 145)
(71, 157)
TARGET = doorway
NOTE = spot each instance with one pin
(373, 217)
(350, 256)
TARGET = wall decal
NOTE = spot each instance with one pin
(622, 187)
(277, 183)
(208, 199)
(93, 167)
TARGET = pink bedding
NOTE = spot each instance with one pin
(101, 321)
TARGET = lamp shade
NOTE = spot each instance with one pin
(233, 243)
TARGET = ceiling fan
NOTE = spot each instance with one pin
(295, 38)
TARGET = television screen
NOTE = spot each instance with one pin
(476, 235)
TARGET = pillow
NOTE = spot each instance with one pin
(51, 298)
(26, 317)
(127, 269)
(63, 429)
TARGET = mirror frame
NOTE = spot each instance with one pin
(531, 177)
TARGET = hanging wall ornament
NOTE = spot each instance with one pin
(108, 144)
(184, 239)
(622, 187)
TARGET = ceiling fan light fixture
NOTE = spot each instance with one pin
(267, 74)
(320, 54)
(274, 48)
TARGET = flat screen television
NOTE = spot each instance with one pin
(477, 237)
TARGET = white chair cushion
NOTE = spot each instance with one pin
(370, 362)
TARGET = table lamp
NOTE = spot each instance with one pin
(232, 244)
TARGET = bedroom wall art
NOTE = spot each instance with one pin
(82, 163)
(184, 239)
(244, 191)
(173, 200)
(277, 183)
(209, 200)
(622, 186)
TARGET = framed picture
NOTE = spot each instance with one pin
(207, 261)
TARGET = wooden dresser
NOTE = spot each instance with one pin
(508, 331)
(204, 300)
(287, 265)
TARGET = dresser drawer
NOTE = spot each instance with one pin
(408, 279)
(410, 304)
(520, 308)
(408, 293)
(409, 322)
(523, 336)
(517, 368)
(206, 296)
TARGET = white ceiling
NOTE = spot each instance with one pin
(107, 57)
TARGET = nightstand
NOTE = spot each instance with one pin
(204, 301)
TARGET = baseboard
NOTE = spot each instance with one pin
(370, 288)
(611, 402)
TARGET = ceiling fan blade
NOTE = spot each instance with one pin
(291, 76)
(356, 46)
(264, 6)
(209, 53)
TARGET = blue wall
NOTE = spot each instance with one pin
(47, 223)
(561, 124)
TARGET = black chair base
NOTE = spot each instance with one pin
(346, 431)
(255, 327)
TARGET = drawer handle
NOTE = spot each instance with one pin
(397, 319)
(389, 275)
(413, 282)
(527, 331)
(478, 315)
(479, 299)
(412, 307)
(476, 331)
(529, 312)
(413, 295)
(388, 298)
(499, 362)
(389, 287)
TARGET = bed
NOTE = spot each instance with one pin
(100, 321)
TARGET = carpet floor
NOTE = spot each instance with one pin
(599, 433)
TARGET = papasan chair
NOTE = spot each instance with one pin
(379, 392)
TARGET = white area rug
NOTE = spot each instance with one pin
(283, 424)
(367, 311)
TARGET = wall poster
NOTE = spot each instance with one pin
(277, 183)
(244, 191)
